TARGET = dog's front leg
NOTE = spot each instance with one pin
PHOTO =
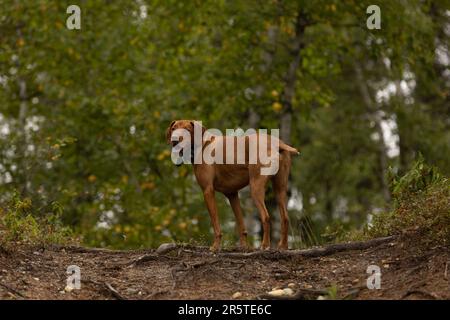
(236, 206)
(209, 195)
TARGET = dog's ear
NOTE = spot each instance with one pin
(205, 138)
(194, 122)
(168, 131)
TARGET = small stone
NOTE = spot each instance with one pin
(276, 293)
(276, 288)
(386, 266)
(292, 285)
(308, 286)
(236, 295)
(131, 291)
(355, 280)
(37, 253)
(68, 289)
(36, 279)
(166, 247)
(288, 291)
(321, 298)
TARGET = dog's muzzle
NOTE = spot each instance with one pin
(178, 151)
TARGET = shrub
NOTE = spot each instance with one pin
(18, 225)
(421, 207)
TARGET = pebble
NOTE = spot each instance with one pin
(68, 289)
(131, 290)
(236, 295)
(166, 247)
(288, 291)
(292, 285)
(281, 292)
(276, 293)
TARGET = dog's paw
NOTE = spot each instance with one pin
(214, 249)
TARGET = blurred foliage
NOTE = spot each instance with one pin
(83, 112)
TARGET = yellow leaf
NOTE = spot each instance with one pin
(20, 42)
(276, 106)
(182, 225)
(148, 186)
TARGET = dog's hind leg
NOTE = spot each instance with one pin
(258, 190)
(280, 185)
(236, 206)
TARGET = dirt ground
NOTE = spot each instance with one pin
(196, 273)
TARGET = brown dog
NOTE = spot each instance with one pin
(230, 178)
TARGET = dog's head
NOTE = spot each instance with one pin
(176, 130)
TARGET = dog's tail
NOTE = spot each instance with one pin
(285, 147)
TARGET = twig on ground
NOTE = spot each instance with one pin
(446, 271)
(183, 266)
(156, 293)
(107, 287)
(114, 292)
(300, 294)
(12, 290)
(422, 292)
(78, 249)
(354, 292)
(148, 257)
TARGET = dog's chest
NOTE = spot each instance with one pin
(230, 178)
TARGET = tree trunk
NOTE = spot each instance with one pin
(22, 141)
(291, 77)
(377, 117)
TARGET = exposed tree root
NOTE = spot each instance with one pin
(314, 252)
(430, 296)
